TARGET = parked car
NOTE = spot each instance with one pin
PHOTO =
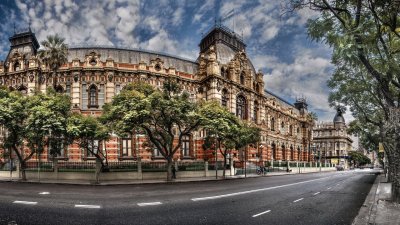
(339, 168)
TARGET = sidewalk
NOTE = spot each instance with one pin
(147, 181)
(378, 208)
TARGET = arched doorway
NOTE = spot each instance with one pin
(273, 148)
(283, 152)
(291, 153)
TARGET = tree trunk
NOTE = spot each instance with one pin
(223, 171)
(395, 171)
(169, 169)
(23, 170)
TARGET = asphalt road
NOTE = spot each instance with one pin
(319, 198)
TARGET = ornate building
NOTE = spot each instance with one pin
(331, 141)
(222, 72)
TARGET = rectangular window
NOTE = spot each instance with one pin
(68, 89)
(185, 146)
(84, 95)
(126, 147)
(93, 148)
(101, 95)
(117, 89)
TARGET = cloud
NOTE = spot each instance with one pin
(305, 76)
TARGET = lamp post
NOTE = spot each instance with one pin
(261, 158)
(216, 163)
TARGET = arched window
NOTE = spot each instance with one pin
(273, 147)
(23, 90)
(93, 97)
(255, 112)
(257, 88)
(242, 78)
(283, 152)
(291, 153)
(290, 130)
(224, 98)
(17, 66)
(59, 89)
(272, 124)
(241, 107)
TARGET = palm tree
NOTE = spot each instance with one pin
(313, 117)
(54, 54)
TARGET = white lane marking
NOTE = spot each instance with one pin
(25, 202)
(316, 193)
(298, 200)
(261, 213)
(44, 193)
(329, 188)
(149, 203)
(88, 206)
(252, 191)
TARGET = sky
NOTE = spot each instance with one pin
(277, 41)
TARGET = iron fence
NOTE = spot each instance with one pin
(44, 166)
(191, 166)
(85, 166)
(125, 166)
(154, 166)
(218, 164)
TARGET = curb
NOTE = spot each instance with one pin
(143, 182)
(367, 212)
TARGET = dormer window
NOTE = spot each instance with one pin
(93, 62)
(157, 67)
(242, 78)
(17, 66)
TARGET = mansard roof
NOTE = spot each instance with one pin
(133, 56)
(282, 101)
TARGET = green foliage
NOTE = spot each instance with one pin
(47, 121)
(359, 159)
(365, 40)
(54, 53)
(34, 121)
(141, 108)
(87, 130)
(225, 131)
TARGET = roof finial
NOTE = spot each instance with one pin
(29, 27)
(14, 29)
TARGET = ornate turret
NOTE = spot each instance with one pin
(338, 120)
(301, 105)
(24, 46)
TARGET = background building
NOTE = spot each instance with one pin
(222, 72)
(331, 141)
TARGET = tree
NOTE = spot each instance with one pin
(90, 133)
(28, 121)
(221, 126)
(163, 116)
(365, 39)
(54, 54)
(359, 159)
